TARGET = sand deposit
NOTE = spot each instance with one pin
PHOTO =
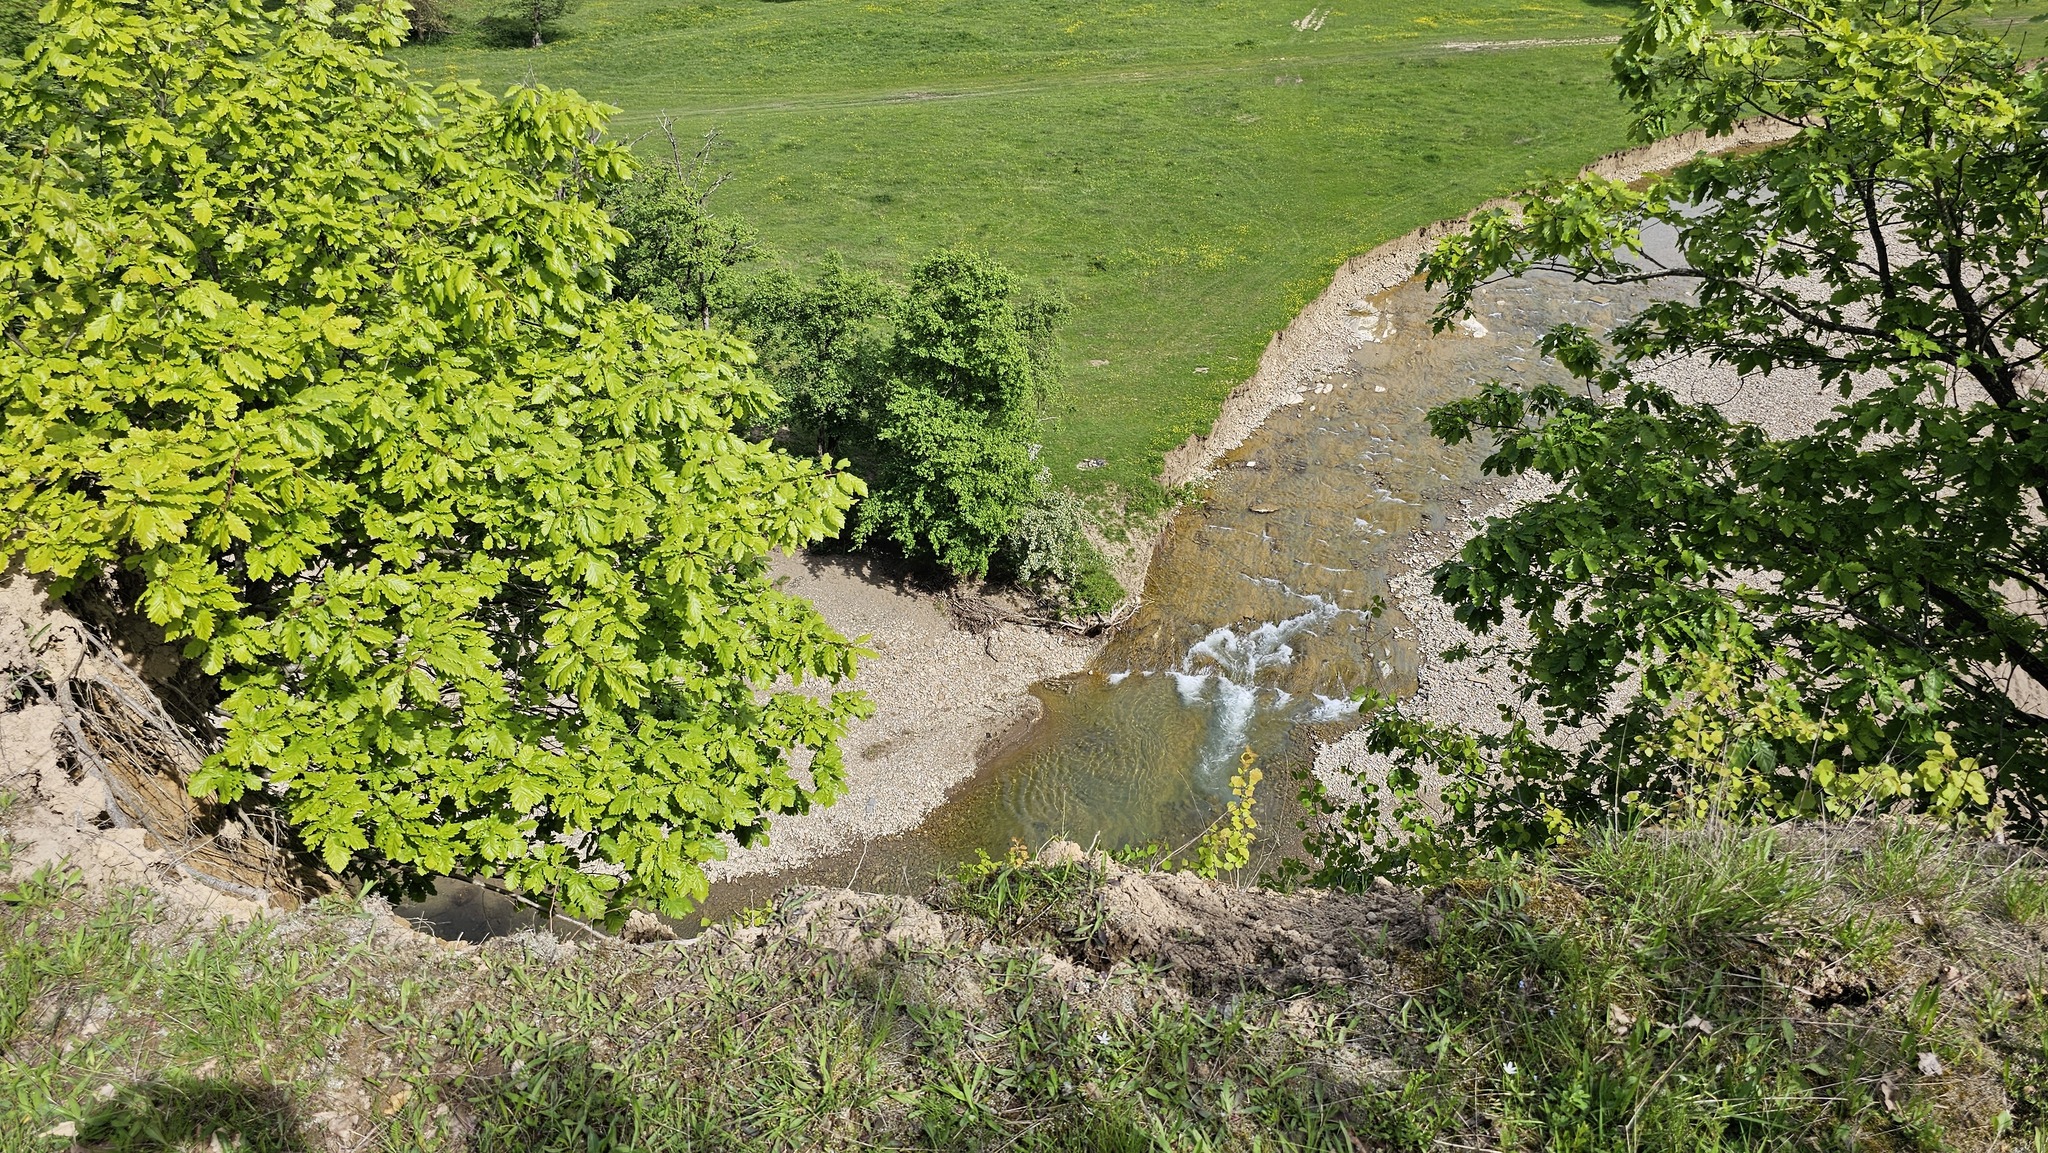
(940, 693)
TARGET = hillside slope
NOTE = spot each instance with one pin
(1870, 987)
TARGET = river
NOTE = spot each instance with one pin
(1265, 610)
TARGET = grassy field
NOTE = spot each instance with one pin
(1189, 174)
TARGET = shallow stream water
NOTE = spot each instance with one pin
(1264, 610)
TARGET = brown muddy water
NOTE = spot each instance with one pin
(1264, 610)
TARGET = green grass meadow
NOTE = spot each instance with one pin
(1188, 174)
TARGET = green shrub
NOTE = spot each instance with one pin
(18, 25)
(1095, 589)
(1049, 551)
(822, 344)
(324, 359)
(952, 458)
(679, 255)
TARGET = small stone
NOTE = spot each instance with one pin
(62, 1129)
(1930, 1065)
(1062, 853)
(643, 927)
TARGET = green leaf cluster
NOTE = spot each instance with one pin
(18, 26)
(954, 453)
(1049, 551)
(679, 256)
(326, 360)
(933, 391)
(822, 343)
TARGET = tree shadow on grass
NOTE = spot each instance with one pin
(552, 1100)
(513, 32)
(181, 1112)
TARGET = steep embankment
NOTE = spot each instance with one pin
(1867, 987)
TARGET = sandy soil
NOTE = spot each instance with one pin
(57, 815)
(939, 693)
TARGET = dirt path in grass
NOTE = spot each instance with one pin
(996, 88)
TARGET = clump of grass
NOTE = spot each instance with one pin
(1910, 859)
(2023, 897)
(1018, 895)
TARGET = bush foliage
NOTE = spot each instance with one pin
(965, 376)
(935, 390)
(679, 257)
(1048, 550)
(327, 360)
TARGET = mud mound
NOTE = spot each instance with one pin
(1212, 933)
(858, 927)
(1200, 934)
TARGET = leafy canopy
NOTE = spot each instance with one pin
(934, 391)
(326, 361)
(822, 343)
(678, 255)
(1852, 612)
(958, 403)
